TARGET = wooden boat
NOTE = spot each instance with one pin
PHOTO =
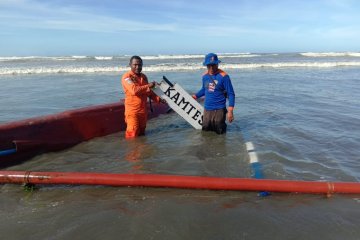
(21, 140)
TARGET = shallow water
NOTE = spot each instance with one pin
(136, 213)
(304, 123)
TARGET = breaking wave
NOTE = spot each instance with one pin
(331, 54)
(200, 56)
(173, 67)
(59, 58)
(107, 58)
(169, 57)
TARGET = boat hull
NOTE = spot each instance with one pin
(59, 131)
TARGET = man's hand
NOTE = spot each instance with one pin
(230, 116)
(151, 85)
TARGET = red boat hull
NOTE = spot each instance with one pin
(59, 131)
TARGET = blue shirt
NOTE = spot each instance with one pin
(214, 88)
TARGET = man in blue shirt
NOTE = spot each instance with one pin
(216, 87)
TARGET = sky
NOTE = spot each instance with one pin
(117, 27)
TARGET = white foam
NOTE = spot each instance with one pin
(240, 56)
(157, 57)
(244, 53)
(180, 56)
(173, 67)
(331, 54)
(57, 58)
(103, 58)
(10, 71)
(15, 58)
(291, 65)
(195, 56)
(63, 59)
(149, 57)
(79, 57)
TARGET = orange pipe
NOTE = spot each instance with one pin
(172, 181)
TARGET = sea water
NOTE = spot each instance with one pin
(300, 110)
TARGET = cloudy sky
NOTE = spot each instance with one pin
(114, 27)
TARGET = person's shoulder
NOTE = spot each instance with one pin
(143, 76)
(126, 75)
(127, 78)
(223, 73)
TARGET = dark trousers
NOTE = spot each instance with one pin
(214, 120)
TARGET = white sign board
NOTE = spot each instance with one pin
(181, 102)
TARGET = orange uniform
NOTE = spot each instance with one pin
(136, 93)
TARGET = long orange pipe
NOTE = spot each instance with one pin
(173, 181)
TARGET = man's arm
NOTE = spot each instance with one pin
(133, 89)
(231, 97)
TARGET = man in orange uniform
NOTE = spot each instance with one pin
(137, 89)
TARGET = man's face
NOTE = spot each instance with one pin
(136, 66)
(212, 68)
